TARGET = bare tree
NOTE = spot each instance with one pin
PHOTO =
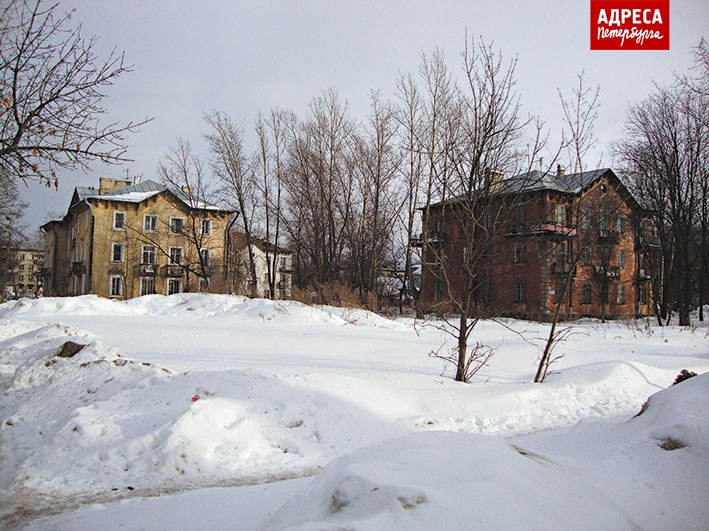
(319, 189)
(440, 120)
(51, 90)
(274, 135)
(238, 186)
(11, 232)
(183, 172)
(580, 114)
(410, 124)
(665, 150)
(375, 206)
(482, 141)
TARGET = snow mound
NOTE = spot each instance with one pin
(53, 306)
(446, 480)
(198, 305)
(26, 343)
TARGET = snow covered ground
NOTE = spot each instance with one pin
(218, 412)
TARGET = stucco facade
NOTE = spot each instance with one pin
(126, 239)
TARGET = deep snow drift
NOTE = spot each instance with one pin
(186, 393)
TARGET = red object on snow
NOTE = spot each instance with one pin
(195, 398)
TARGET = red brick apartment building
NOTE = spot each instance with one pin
(539, 240)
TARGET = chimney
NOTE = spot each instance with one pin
(494, 178)
(106, 185)
(560, 170)
(187, 190)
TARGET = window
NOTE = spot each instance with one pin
(519, 295)
(559, 288)
(620, 295)
(621, 259)
(174, 285)
(206, 226)
(203, 285)
(147, 285)
(22, 267)
(284, 263)
(117, 252)
(587, 256)
(620, 225)
(21, 256)
(116, 288)
(520, 253)
(150, 223)
(177, 225)
(176, 255)
(148, 254)
(439, 227)
(560, 215)
(603, 223)
(585, 221)
(465, 256)
(119, 221)
(487, 291)
(204, 253)
(560, 253)
(642, 295)
(586, 299)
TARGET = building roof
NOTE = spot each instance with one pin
(239, 239)
(140, 191)
(537, 181)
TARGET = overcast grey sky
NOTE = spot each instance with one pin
(246, 56)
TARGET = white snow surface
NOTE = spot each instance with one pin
(221, 412)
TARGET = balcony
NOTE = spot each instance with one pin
(147, 269)
(519, 229)
(610, 272)
(78, 268)
(607, 236)
(563, 269)
(174, 270)
(553, 228)
(436, 238)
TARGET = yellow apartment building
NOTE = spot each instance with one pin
(127, 239)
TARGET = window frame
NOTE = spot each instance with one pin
(150, 222)
(520, 292)
(206, 224)
(149, 281)
(620, 295)
(116, 215)
(621, 259)
(172, 226)
(587, 294)
(114, 246)
(171, 281)
(170, 257)
(143, 254)
(113, 282)
(205, 256)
